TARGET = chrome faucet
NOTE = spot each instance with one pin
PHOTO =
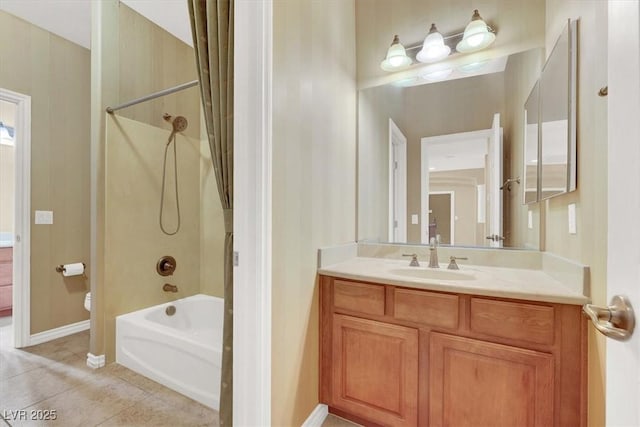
(169, 288)
(414, 260)
(433, 249)
(452, 262)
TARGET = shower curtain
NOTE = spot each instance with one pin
(212, 31)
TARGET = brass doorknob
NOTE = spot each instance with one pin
(616, 321)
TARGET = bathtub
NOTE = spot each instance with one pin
(182, 352)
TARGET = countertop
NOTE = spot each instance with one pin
(517, 283)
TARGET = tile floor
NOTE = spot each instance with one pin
(54, 376)
(333, 421)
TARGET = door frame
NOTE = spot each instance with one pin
(22, 219)
(252, 283)
(397, 167)
(452, 201)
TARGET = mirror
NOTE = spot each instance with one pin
(558, 117)
(431, 160)
(531, 143)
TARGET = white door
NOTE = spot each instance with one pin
(623, 265)
(397, 184)
(494, 194)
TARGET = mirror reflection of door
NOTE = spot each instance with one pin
(469, 165)
(442, 216)
(397, 184)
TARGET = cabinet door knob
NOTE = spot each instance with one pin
(616, 321)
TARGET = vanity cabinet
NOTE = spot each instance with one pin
(6, 281)
(395, 356)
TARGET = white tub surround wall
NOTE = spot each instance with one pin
(181, 351)
(497, 273)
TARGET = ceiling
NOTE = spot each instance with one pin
(71, 19)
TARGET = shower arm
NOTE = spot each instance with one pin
(508, 182)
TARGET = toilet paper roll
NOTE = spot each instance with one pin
(74, 269)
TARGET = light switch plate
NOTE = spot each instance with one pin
(530, 220)
(414, 219)
(44, 217)
(573, 229)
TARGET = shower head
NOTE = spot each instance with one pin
(179, 123)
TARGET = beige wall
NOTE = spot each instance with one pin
(589, 244)
(56, 74)
(314, 126)
(133, 240)
(520, 75)
(134, 57)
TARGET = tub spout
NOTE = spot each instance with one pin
(169, 288)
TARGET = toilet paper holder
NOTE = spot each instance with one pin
(60, 268)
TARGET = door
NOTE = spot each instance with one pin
(375, 369)
(494, 182)
(397, 184)
(623, 259)
(477, 383)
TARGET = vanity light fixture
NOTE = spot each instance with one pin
(437, 75)
(397, 58)
(476, 35)
(433, 48)
(473, 67)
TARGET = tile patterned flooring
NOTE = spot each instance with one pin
(54, 376)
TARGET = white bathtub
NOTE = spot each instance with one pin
(182, 352)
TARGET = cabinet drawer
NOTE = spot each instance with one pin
(525, 322)
(428, 308)
(6, 273)
(359, 297)
(6, 254)
(6, 295)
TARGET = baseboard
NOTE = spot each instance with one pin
(95, 362)
(317, 417)
(60, 332)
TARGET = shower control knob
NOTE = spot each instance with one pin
(166, 265)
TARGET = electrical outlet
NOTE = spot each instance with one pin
(414, 219)
(44, 217)
(530, 220)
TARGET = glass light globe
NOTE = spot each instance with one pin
(476, 35)
(397, 58)
(433, 48)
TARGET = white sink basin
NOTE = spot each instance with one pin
(431, 273)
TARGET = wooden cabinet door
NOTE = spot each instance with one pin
(375, 370)
(477, 383)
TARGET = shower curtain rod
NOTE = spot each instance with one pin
(155, 95)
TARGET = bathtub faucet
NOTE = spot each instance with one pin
(169, 288)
